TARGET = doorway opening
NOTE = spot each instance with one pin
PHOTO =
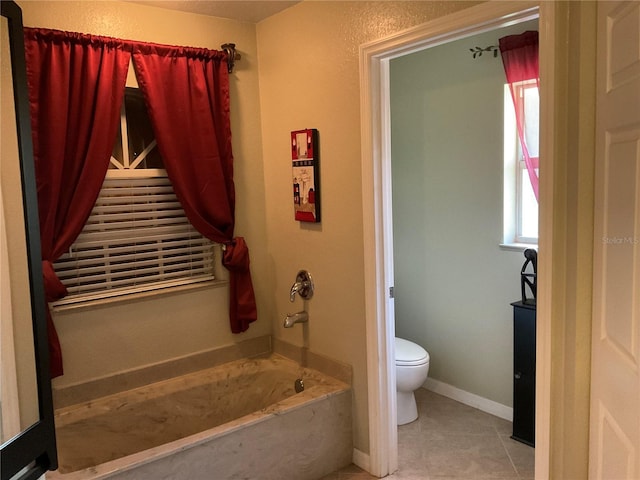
(378, 232)
(455, 276)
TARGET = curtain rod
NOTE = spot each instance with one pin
(232, 55)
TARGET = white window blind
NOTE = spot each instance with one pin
(137, 238)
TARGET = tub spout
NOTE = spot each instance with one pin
(292, 318)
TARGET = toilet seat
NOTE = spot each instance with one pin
(409, 354)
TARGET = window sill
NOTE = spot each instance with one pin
(517, 247)
(66, 305)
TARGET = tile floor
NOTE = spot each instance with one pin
(451, 441)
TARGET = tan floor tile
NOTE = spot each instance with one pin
(473, 477)
(522, 456)
(452, 441)
(356, 476)
(469, 455)
(351, 472)
(331, 476)
(353, 468)
(411, 473)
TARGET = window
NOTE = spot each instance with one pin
(520, 204)
(137, 237)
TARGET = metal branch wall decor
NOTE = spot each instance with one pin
(478, 51)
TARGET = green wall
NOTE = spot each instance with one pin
(453, 283)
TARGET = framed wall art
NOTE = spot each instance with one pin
(306, 175)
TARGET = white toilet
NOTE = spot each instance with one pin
(412, 368)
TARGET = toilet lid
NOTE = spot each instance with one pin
(409, 353)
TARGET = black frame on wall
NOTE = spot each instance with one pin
(32, 452)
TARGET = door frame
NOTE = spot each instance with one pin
(377, 227)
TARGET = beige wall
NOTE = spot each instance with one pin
(309, 78)
(147, 331)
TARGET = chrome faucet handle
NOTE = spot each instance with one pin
(303, 286)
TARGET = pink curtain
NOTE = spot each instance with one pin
(520, 59)
(76, 85)
(187, 95)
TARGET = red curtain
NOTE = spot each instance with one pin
(76, 85)
(520, 59)
(187, 95)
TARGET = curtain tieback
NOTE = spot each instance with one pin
(236, 255)
(53, 287)
(242, 305)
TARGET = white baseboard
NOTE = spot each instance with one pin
(362, 460)
(471, 399)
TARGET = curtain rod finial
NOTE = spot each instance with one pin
(232, 55)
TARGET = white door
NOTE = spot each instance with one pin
(615, 384)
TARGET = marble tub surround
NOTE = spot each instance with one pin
(120, 382)
(241, 419)
(304, 356)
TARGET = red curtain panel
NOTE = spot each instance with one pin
(242, 307)
(76, 85)
(187, 96)
(520, 59)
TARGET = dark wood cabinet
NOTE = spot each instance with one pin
(524, 372)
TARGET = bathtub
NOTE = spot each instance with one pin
(239, 420)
